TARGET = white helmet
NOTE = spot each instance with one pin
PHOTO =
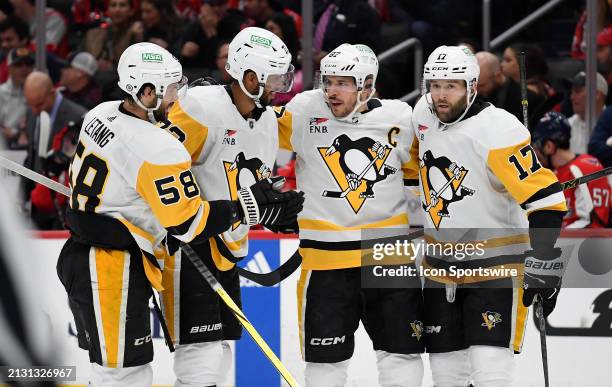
(266, 55)
(452, 62)
(351, 60)
(143, 63)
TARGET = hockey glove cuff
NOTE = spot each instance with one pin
(544, 269)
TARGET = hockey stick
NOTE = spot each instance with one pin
(276, 276)
(538, 302)
(341, 194)
(197, 262)
(34, 176)
(216, 286)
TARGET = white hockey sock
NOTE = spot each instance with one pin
(139, 376)
(326, 374)
(491, 366)
(398, 370)
(197, 365)
(450, 369)
(226, 361)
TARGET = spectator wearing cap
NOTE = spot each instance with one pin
(55, 25)
(580, 132)
(12, 98)
(14, 33)
(78, 82)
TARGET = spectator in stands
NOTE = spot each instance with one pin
(78, 81)
(107, 42)
(580, 132)
(220, 73)
(12, 99)
(283, 26)
(14, 33)
(187, 9)
(215, 23)
(6, 10)
(535, 66)
(502, 91)
(588, 204)
(55, 25)
(600, 144)
(262, 10)
(604, 19)
(161, 24)
(345, 21)
(604, 57)
(41, 96)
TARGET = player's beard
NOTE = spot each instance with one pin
(454, 112)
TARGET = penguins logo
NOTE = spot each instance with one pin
(490, 319)
(417, 328)
(356, 166)
(442, 185)
(243, 172)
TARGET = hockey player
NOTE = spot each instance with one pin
(588, 204)
(481, 182)
(232, 137)
(131, 186)
(353, 163)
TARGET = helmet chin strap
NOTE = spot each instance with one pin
(255, 98)
(351, 117)
(149, 110)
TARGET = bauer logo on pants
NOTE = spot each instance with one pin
(357, 166)
(442, 181)
(243, 172)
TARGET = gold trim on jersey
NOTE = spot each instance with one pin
(220, 261)
(285, 127)
(169, 301)
(302, 288)
(195, 133)
(323, 225)
(524, 183)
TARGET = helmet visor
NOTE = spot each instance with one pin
(337, 83)
(281, 83)
(450, 87)
(176, 91)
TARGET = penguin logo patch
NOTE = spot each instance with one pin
(356, 165)
(442, 182)
(243, 172)
(417, 329)
(490, 319)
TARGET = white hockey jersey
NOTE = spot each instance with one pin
(228, 151)
(131, 170)
(480, 178)
(353, 175)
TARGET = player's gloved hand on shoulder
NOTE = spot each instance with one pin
(544, 270)
(264, 203)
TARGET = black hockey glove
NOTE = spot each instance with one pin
(544, 270)
(263, 203)
(292, 228)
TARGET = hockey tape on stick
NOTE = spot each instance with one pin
(539, 312)
(523, 80)
(216, 286)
